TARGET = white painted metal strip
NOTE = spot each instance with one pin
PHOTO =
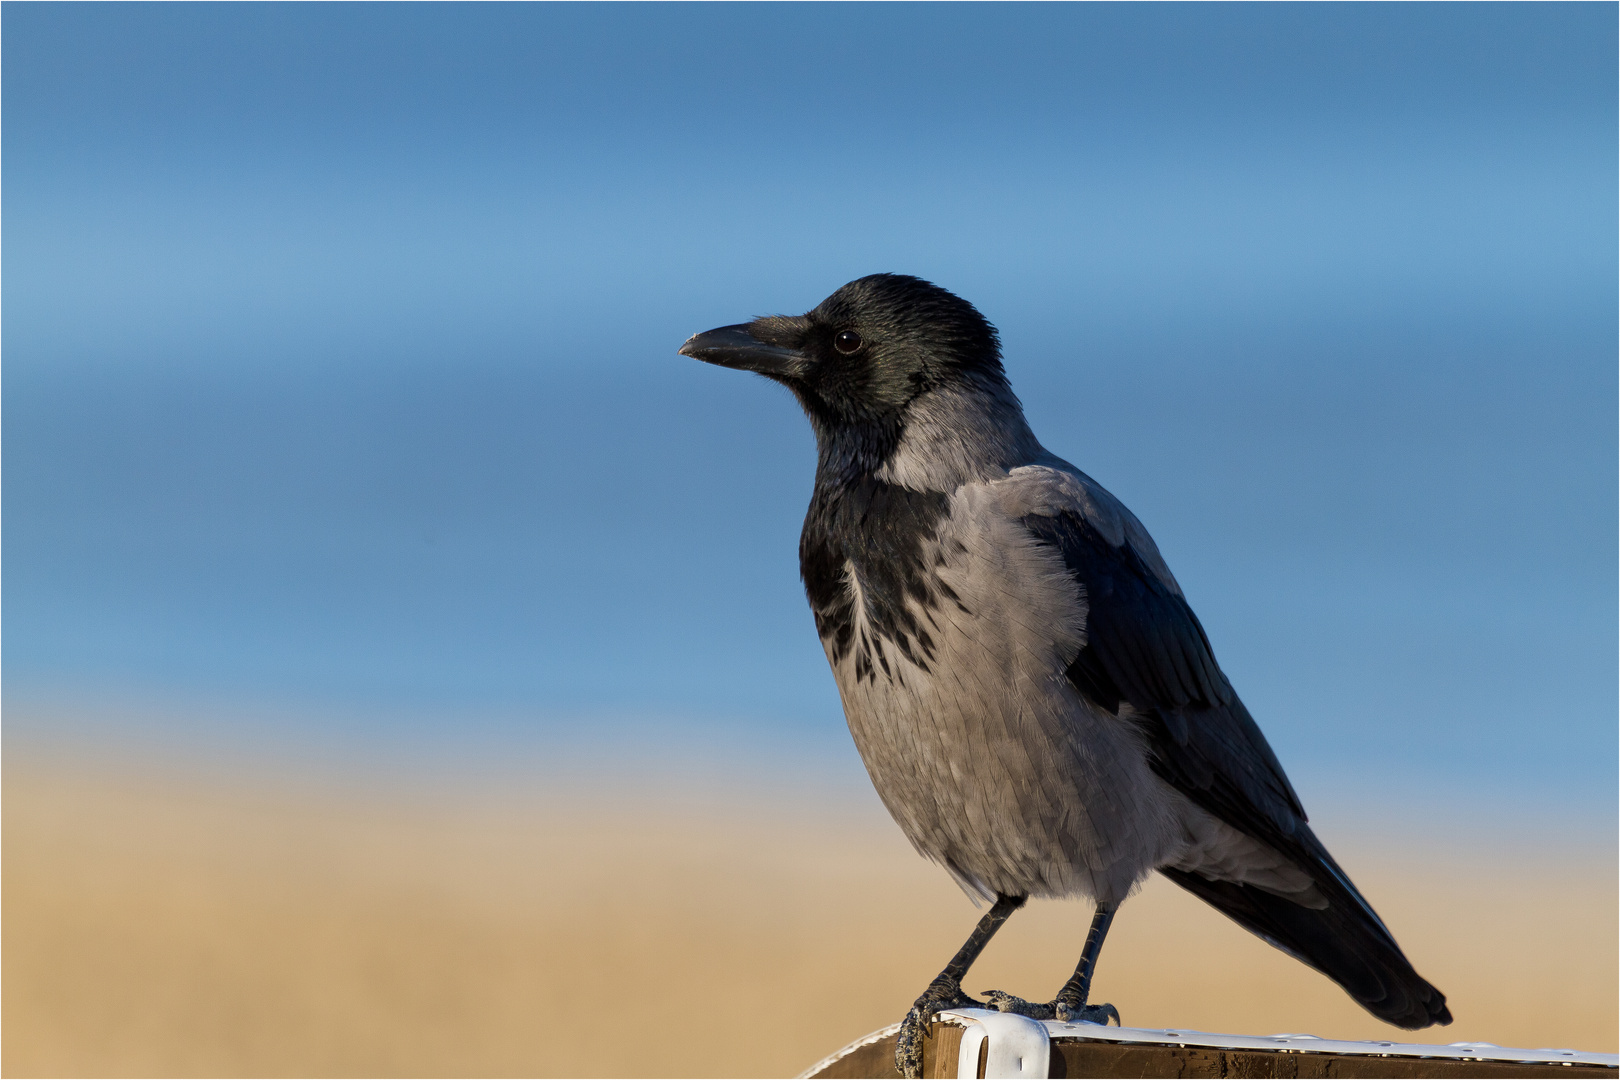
(1312, 1044)
(1019, 1046)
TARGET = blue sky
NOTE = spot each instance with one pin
(340, 374)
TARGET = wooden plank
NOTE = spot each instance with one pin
(1072, 1057)
(876, 1059)
(1082, 1058)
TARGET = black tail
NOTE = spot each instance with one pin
(1345, 941)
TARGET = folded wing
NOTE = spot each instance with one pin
(1146, 656)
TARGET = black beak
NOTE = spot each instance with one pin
(735, 347)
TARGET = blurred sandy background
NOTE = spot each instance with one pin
(189, 917)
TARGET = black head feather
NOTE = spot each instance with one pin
(910, 336)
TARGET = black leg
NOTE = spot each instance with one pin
(945, 992)
(1071, 1000)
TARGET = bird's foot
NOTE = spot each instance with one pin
(1065, 1011)
(942, 993)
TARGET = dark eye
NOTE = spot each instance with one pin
(848, 341)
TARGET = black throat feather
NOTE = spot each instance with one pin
(880, 533)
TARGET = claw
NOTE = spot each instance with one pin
(1104, 1013)
(1086, 1014)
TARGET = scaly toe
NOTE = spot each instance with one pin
(908, 1048)
(1088, 1014)
(908, 1043)
(1009, 1003)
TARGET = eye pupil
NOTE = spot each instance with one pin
(847, 341)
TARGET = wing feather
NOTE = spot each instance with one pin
(1145, 649)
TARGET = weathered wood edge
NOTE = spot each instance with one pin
(873, 1057)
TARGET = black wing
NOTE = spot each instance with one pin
(1145, 647)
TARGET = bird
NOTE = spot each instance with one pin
(1035, 702)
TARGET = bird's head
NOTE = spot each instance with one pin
(865, 353)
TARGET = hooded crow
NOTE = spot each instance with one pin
(1035, 701)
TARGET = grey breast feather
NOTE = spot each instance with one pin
(987, 756)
